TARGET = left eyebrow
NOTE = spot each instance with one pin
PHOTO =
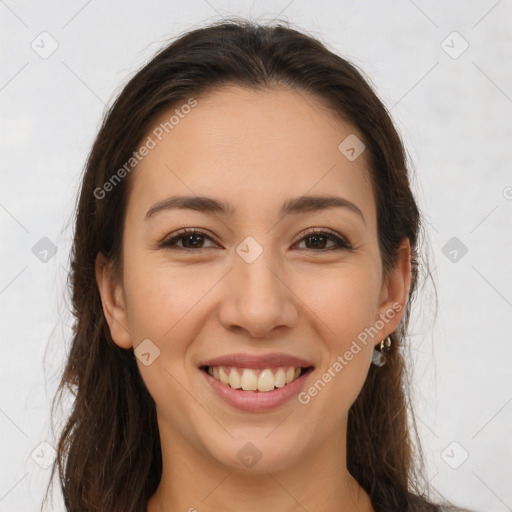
(305, 204)
(298, 205)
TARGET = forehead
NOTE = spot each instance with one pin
(253, 148)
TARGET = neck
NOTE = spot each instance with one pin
(193, 480)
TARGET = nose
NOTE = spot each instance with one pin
(257, 298)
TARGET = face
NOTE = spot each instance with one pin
(257, 287)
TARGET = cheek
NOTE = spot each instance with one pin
(347, 303)
(346, 299)
(165, 304)
(348, 311)
(160, 295)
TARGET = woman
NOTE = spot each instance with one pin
(244, 262)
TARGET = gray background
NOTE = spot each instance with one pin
(454, 113)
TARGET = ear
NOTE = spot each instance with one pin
(112, 298)
(395, 291)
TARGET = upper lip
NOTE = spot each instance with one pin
(261, 361)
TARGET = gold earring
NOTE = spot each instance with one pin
(385, 344)
(378, 357)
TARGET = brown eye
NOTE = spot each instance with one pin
(316, 241)
(319, 239)
(190, 240)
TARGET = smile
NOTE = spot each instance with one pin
(249, 379)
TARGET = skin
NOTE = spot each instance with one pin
(255, 149)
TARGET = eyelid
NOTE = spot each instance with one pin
(181, 233)
(341, 242)
(325, 231)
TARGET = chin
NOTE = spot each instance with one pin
(257, 455)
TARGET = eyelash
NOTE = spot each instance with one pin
(341, 244)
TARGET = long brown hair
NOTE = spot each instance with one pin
(109, 454)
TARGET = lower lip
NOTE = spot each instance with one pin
(256, 401)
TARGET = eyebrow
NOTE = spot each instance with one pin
(298, 205)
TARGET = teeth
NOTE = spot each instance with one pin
(252, 380)
(249, 380)
(266, 380)
(280, 378)
(224, 377)
(235, 380)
